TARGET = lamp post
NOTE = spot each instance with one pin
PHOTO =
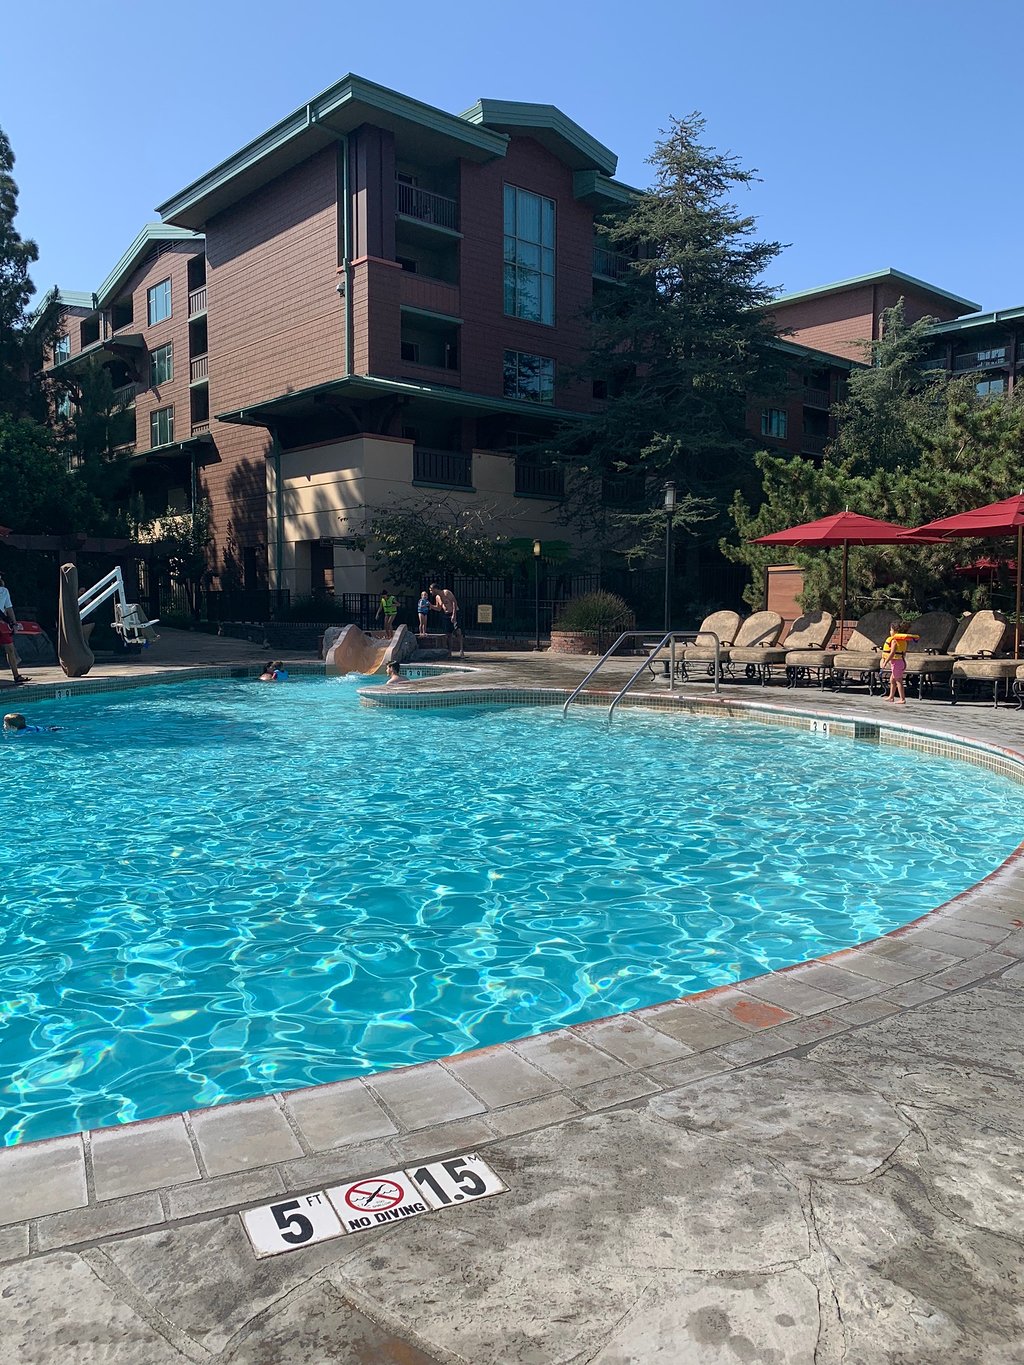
(538, 550)
(670, 507)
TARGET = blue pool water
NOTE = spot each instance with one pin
(215, 890)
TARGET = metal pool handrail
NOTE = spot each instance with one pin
(670, 639)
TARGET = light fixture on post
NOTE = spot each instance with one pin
(670, 510)
(538, 550)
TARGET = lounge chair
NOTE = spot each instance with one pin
(976, 639)
(935, 630)
(724, 624)
(976, 655)
(1018, 687)
(757, 635)
(862, 653)
(811, 631)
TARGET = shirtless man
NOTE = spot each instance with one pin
(444, 600)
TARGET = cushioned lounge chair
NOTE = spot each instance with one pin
(1018, 687)
(976, 640)
(976, 655)
(862, 653)
(724, 624)
(812, 631)
(756, 637)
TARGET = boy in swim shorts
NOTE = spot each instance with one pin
(894, 657)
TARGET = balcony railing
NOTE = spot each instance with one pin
(815, 398)
(813, 445)
(546, 481)
(199, 368)
(610, 265)
(196, 301)
(981, 360)
(124, 397)
(936, 362)
(426, 206)
(200, 428)
(442, 466)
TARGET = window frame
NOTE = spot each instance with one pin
(512, 360)
(154, 425)
(772, 418)
(62, 348)
(154, 379)
(151, 295)
(525, 259)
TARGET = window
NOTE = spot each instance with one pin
(774, 422)
(995, 355)
(411, 351)
(529, 256)
(529, 376)
(987, 386)
(62, 349)
(161, 427)
(158, 302)
(64, 407)
(161, 365)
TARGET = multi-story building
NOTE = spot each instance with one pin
(373, 302)
(799, 421)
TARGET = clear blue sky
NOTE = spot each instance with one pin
(886, 131)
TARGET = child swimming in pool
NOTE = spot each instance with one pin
(894, 657)
(15, 724)
(274, 671)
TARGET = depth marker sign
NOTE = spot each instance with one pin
(372, 1202)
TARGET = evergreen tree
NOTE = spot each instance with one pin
(910, 446)
(679, 347)
(16, 290)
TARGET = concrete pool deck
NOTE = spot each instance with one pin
(819, 1165)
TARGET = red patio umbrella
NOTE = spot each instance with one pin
(1005, 518)
(845, 529)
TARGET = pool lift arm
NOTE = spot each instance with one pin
(129, 619)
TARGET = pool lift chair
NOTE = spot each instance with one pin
(130, 620)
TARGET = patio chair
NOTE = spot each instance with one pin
(812, 631)
(935, 630)
(976, 655)
(724, 624)
(1018, 687)
(757, 635)
(862, 653)
(131, 624)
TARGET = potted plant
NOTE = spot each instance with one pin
(590, 624)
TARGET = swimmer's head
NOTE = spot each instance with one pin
(14, 721)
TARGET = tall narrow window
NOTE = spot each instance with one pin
(775, 422)
(161, 427)
(529, 256)
(158, 302)
(62, 349)
(161, 365)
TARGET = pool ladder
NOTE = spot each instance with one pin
(669, 640)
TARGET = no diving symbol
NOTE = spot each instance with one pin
(373, 1196)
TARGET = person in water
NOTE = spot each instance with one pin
(15, 724)
(394, 672)
(274, 671)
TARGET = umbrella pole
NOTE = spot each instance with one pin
(842, 596)
(1016, 627)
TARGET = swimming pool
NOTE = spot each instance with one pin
(218, 890)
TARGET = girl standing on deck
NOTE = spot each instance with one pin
(894, 657)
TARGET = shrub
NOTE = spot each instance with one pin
(597, 611)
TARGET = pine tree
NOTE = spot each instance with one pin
(16, 290)
(680, 347)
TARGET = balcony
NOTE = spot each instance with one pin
(815, 398)
(623, 490)
(124, 397)
(813, 445)
(980, 360)
(449, 468)
(196, 301)
(199, 369)
(610, 265)
(539, 481)
(200, 428)
(426, 206)
(936, 362)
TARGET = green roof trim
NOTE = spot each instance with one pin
(61, 298)
(370, 386)
(311, 128)
(1007, 315)
(591, 187)
(553, 129)
(150, 235)
(808, 353)
(877, 277)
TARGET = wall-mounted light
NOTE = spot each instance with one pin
(538, 549)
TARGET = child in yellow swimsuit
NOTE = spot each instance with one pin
(894, 657)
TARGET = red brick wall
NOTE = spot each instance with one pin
(171, 264)
(276, 324)
(837, 322)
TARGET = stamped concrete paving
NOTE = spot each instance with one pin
(823, 1165)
